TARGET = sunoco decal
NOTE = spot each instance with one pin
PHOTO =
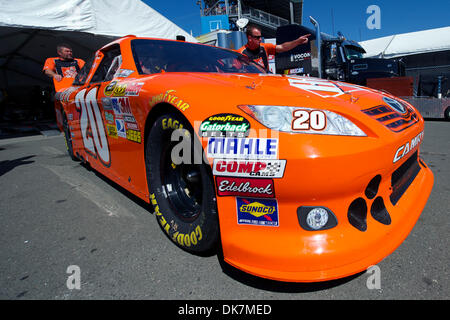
(258, 212)
(261, 188)
(225, 125)
(242, 148)
(249, 168)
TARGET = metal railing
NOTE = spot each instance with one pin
(255, 15)
(263, 17)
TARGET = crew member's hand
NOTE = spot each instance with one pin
(304, 39)
(57, 77)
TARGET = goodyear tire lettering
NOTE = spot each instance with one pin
(183, 239)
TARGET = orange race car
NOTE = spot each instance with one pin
(300, 179)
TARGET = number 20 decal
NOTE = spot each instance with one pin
(91, 125)
(309, 120)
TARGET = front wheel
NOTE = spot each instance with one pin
(181, 185)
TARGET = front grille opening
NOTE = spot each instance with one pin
(357, 214)
(379, 211)
(372, 188)
(402, 178)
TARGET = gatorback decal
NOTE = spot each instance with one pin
(225, 125)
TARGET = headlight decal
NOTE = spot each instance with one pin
(302, 120)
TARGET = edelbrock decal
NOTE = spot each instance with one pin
(260, 188)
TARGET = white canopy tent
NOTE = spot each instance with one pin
(31, 29)
(408, 43)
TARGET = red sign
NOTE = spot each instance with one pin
(259, 188)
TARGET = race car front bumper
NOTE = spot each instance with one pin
(288, 252)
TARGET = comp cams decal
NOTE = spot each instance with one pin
(225, 125)
(258, 212)
(260, 188)
(249, 168)
(242, 148)
(91, 125)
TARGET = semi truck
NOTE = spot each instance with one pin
(328, 57)
(337, 58)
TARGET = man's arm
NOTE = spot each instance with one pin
(286, 46)
(52, 74)
(49, 68)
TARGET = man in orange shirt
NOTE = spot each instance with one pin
(63, 68)
(259, 52)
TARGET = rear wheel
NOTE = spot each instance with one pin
(68, 138)
(447, 114)
(181, 185)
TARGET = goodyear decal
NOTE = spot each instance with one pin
(170, 97)
(225, 125)
(258, 212)
(171, 228)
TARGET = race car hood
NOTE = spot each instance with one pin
(305, 91)
(357, 103)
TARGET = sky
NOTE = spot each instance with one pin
(349, 17)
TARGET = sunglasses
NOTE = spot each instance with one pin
(256, 37)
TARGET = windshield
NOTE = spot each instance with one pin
(155, 56)
(352, 53)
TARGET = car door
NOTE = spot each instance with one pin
(97, 140)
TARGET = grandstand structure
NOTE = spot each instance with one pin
(268, 15)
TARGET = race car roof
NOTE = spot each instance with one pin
(405, 44)
(100, 17)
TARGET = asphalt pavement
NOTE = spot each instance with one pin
(66, 232)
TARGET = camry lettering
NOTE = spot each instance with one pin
(405, 149)
(91, 124)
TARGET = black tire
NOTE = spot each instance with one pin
(68, 138)
(182, 195)
(447, 114)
